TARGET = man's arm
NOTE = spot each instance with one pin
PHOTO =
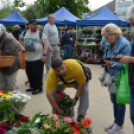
(45, 50)
(51, 98)
(21, 41)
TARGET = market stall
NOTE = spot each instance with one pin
(14, 19)
(102, 18)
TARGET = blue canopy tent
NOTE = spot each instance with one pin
(14, 19)
(102, 18)
(62, 18)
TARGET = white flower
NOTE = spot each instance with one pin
(37, 120)
(24, 100)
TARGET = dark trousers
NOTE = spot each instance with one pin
(34, 71)
(67, 51)
(119, 111)
(132, 103)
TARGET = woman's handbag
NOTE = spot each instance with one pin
(22, 55)
(122, 88)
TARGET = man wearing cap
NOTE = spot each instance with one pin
(35, 49)
(51, 32)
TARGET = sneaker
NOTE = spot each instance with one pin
(110, 126)
(80, 118)
(116, 130)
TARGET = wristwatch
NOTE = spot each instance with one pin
(44, 54)
(76, 98)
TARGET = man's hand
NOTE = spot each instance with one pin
(107, 63)
(43, 59)
(61, 112)
(75, 102)
(126, 59)
(50, 50)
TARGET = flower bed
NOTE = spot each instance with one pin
(11, 104)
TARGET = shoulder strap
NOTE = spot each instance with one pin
(40, 35)
(62, 80)
(24, 33)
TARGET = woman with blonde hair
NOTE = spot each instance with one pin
(16, 33)
(117, 45)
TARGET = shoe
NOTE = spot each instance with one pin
(30, 89)
(37, 91)
(116, 130)
(80, 118)
(110, 126)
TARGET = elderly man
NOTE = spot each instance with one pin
(51, 32)
(9, 47)
(35, 49)
(68, 74)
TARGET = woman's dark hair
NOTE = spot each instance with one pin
(68, 28)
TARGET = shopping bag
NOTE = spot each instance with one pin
(122, 87)
(22, 55)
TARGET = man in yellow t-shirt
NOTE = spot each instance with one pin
(67, 74)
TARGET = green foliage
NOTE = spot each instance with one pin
(64, 103)
(19, 3)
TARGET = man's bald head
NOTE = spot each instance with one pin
(51, 19)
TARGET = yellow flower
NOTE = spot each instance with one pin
(3, 95)
(10, 93)
(8, 97)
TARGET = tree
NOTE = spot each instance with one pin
(19, 3)
(7, 9)
(76, 7)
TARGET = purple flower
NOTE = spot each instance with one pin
(2, 131)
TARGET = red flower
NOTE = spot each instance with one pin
(61, 95)
(77, 131)
(85, 124)
(18, 125)
(22, 118)
(5, 126)
(76, 126)
(88, 121)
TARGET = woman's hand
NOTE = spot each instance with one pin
(126, 59)
(107, 63)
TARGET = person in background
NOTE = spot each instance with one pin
(35, 49)
(67, 42)
(16, 33)
(126, 60)
(117, 45)
(26, 26)
(50, 30)
(38, 28)
(9, 47)
(125, 35)
(73, 36)
(104, 44)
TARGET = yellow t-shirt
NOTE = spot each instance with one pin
(75, 74)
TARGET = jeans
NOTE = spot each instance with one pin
(72, 50)
(34, 71)
(67, 51)
(119, 111)
(132, 103)
(83, 100)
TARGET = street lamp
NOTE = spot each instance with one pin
(43, 8)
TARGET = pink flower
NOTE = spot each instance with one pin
(2, 131)
(55, 117)
(69, 121)
(47, 127)
(57, 124)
